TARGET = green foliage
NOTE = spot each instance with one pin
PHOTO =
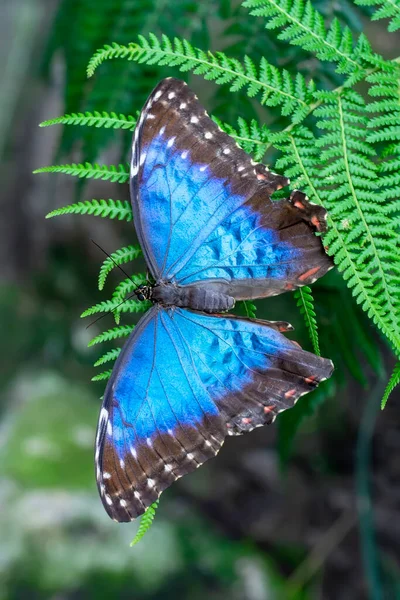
(305, 302)
(277, 87)
(302, 25)
(109, 356)
(112, 334)
(94, 119)
(107, 209)
(393, 382)
(388, 9)
(115, 174)
(145, 522)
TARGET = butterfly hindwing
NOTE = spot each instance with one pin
(203, 210)
(183, 381)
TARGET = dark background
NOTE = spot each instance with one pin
(313, 516)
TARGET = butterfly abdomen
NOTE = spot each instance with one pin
(191, 296)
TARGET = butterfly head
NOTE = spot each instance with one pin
(144, 292)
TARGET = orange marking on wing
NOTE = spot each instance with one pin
(299, 204)
(246, 420)
(289, 286)
(310, 379)
(260, 176)
(309, 273)
(315, 222)
(268, 409)
(290, 393)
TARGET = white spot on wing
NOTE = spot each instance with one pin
(108, 499)
(133, 452)
(208, 135)
(123, 503)
(122, 463)
(171, 95)
(168, 468)
(106, 475)
(226, 151)
(109, 428)
(203, 168)
(162, 130)
(194, 119)
(183, 105)
(183, 155)
(143, 158)
(170, 142)
(150, 116)
(157, 95)
(137, 495)
(151, 483)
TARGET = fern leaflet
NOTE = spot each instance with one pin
(94, 119)
(305, 303)
(112, 334)
(107, 209)
(393, 382)
(108, 357)
(107, 306)
(277, 87)
(145, 522)
(102, 376)
(120, 257)
(119, 174)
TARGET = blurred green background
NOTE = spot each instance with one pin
(277, 515)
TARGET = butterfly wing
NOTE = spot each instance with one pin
(183, 381)
(202, 207)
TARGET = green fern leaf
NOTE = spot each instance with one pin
(111, 209)
(276, 87)
(305, 303)
(146, 522)
(94, 119)
(393, 382)
(252, 137)
(102, 376)
(127, 286)
(112, 334)
(108, 357)
(120, 257)
(131, 306)
(302, 25)
(388, 9)
(119, 174)
(360, 235)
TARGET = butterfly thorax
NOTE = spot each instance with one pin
(196, 297)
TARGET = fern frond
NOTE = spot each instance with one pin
(360, 234)
(146, 522)
(120, 257)
(111, 209)
(119, 174)
(102, 376)
(277, 88)
(108, 306)
(112, 334)
(305, 302)
(302, 25)
(388, 9)
(394, 381)
(109, 356)
(94, 119)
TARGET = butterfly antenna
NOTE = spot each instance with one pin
(125, 273)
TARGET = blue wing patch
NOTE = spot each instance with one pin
(184, 381)
(203, 211)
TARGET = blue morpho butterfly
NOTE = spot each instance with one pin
(190, 373)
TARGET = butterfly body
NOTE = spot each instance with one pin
(190, 373)
(196, 297)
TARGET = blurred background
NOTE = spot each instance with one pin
(305, 509)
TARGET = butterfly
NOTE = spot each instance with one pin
(191, 373)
